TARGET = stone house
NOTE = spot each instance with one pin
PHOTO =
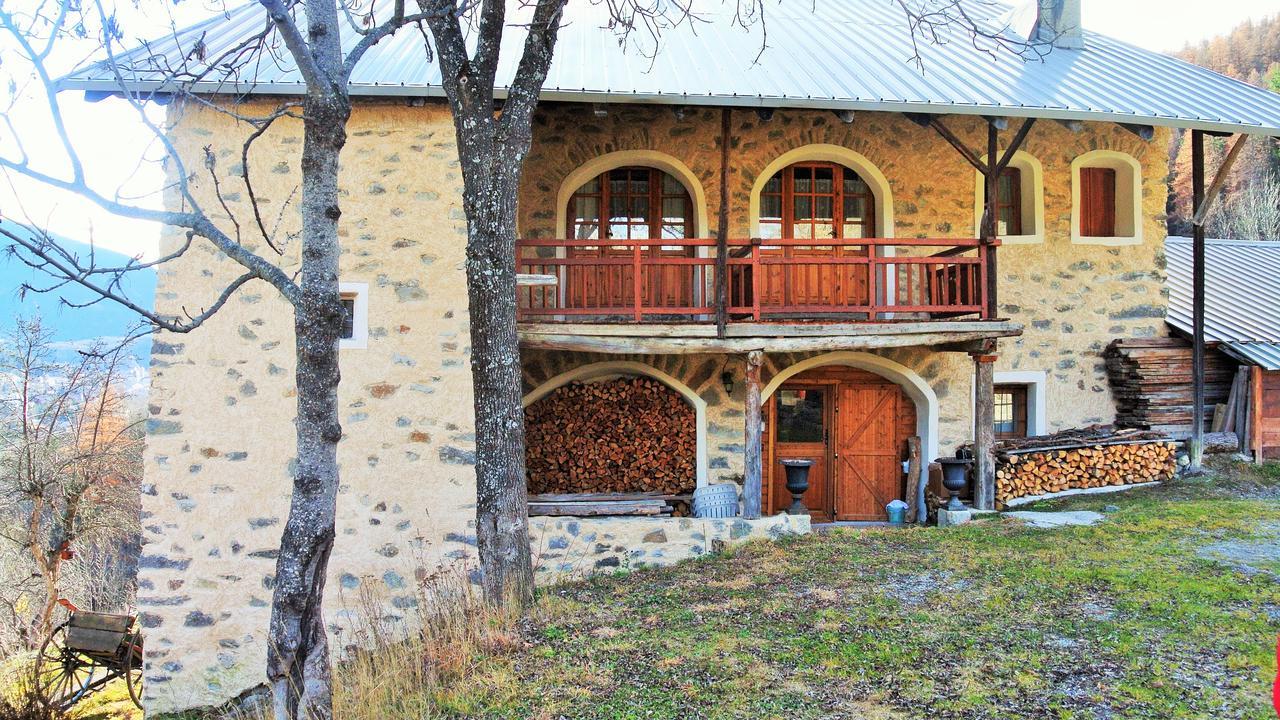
(824, 205)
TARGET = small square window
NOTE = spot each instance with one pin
(355, 315)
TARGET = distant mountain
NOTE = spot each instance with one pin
(78, 327)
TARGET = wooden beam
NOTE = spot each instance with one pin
(1015, 145)
(722, 228)
(1001, 123)
(1146, 132)
(1195, 446)
(765, 331)
(960, 147)
(693, 346)
(984, 432)
(1074, 126)
(1215, 188)
(753, 469)
(535, 280)
(989, 215)
(924, 120)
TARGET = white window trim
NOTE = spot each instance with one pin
(359, 339)
(1115, 160)
(1033, 180)
(1035, 381)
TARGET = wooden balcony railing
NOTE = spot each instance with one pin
(864, 280)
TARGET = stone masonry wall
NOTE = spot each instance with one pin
(220, 436)
(569, 548)
(1071, 298)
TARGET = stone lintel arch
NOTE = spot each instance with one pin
(823, 152)
(614, 368)
(916, 388)
(624, 158)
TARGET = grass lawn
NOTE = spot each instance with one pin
(1168, 609)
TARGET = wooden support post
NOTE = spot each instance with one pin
(1195, 446)
(722, 229)
(989, 214)
(752, 482)
(984, 431)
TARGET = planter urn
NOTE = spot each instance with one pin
(954, 471)
(797, 484)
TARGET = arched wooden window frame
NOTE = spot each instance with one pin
(786, 196)
(660, 192)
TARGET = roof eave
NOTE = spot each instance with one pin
(748, 101)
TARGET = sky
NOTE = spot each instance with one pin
(114, 139)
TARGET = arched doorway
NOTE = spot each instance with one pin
(852, 414)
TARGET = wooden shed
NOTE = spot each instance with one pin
(1242, 322)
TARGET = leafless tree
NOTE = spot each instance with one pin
(70, 464)
(1252, 212)
(492, 139)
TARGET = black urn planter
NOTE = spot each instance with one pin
(954, 472)
(797, 484)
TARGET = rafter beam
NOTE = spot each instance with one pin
(1146, 132)
(1215, 188)
(1015, 145)
(956, 143)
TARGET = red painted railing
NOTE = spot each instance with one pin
(870, 279)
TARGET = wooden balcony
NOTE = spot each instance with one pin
(870, 292)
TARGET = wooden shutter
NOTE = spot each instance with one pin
(1097, 202)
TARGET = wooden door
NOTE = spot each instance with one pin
(868, 451)
(800, 423)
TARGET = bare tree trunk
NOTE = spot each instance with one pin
(298, 658)
(502, 514)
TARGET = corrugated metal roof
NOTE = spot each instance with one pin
(852, 54)
(1242, 296)
(1264, 355)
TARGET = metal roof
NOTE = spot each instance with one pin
(1242, 296)
(846, 55)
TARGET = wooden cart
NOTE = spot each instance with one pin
(86, 653)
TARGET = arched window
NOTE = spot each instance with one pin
(628, 204)
(817, 200)
(639, 203)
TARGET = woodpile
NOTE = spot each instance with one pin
(627, 435)
(1151, 381)
(1089, 458)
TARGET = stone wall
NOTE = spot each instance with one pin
(1071, 298)
(570, 548)
(220, 434)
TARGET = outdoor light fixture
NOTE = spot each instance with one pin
(726, 378)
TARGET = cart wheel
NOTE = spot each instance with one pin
(133, 670)
(62, 674)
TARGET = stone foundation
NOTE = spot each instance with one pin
(566, 548)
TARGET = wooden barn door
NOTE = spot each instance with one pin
(868, 451)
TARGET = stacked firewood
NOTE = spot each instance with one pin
(1151, 381)
(1090, 458)
(625, 435)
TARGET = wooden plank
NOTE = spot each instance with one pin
(913, 478)
(752, 484)
(591, 509)
(1255, 417)
(685, 346)
(536, 280)
(1195, 446)
(597, 497)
